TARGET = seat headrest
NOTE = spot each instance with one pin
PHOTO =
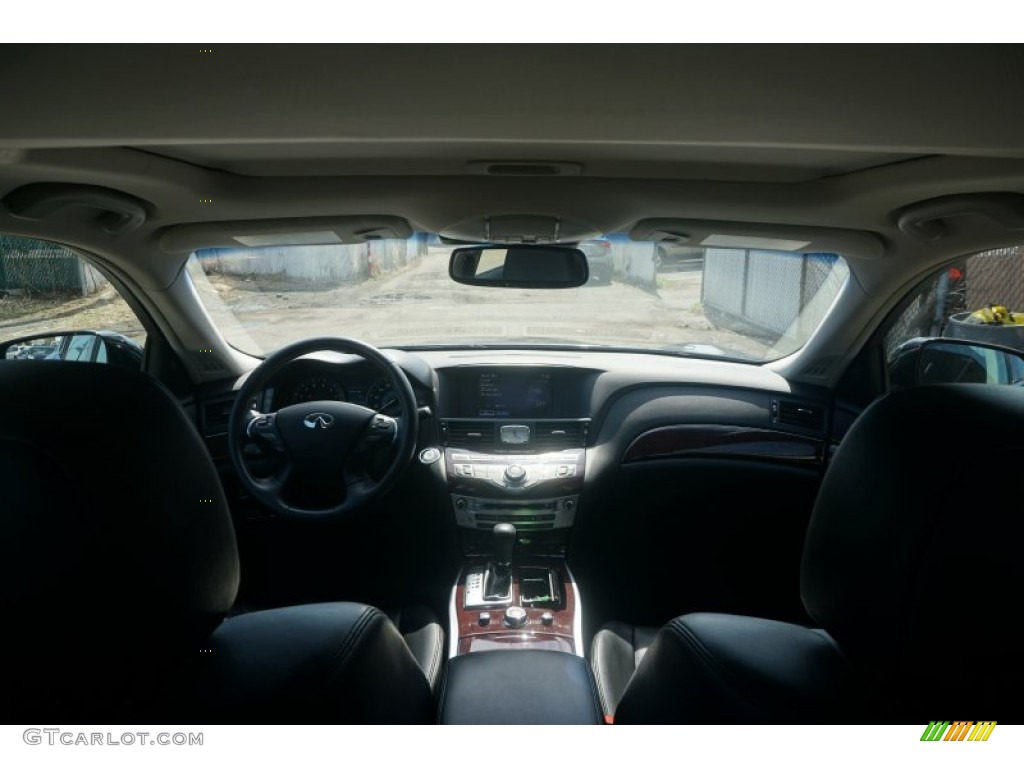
(117, 551)
(913, 554)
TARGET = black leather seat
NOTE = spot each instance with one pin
(423, 634)
(119, 561)
(518, 687)
(911, 568)
(615, 653)
(307, 664)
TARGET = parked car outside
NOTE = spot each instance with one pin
(599, 257)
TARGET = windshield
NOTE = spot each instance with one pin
(747, 304)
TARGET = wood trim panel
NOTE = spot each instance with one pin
(694, 440)
(534, 634)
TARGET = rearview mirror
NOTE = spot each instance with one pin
(948, 361)
(76, 346)
(519, 266)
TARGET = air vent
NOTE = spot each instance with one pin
(798, 414)
(217, 413)
(469, 434)
(557, 436)
(545, 436)
(216, 416)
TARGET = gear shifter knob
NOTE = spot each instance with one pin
(498, 575)
(504, 542)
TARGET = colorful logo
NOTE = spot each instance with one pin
(961, 730)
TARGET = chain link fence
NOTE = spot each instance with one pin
(33, 267)
(989, 278)
(995, 277)
(772, 293)
(917, 318)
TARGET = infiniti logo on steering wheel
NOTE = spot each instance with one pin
(319, 421)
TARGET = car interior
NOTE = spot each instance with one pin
(511, 384)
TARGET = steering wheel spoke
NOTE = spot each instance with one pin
(358, 482)
(277, 482)
(379, 434)
(325, 448)
(262, 429)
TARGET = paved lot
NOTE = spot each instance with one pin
(420, 304)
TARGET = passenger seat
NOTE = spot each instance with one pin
(615, 653)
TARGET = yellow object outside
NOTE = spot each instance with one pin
(997, 315)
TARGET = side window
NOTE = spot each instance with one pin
(47, 290)
(979, 300)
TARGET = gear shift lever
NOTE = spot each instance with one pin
(504, 543)
(498, 581)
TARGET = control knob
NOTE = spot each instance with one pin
(515, 474)
(515, 616)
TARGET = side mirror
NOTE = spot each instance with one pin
(76, 346)
(947, 361)
(519, 266)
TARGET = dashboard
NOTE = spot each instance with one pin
(605, 399)
(523, 433)
(650, 471)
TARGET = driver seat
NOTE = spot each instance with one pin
(119, 556)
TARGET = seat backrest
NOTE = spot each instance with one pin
(117, 552)
(912, 568)
(913, 553)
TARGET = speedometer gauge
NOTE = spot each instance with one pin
(382, 398)
(317, 388)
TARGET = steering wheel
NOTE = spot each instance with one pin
(324, 448)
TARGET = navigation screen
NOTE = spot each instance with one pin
(513, 396)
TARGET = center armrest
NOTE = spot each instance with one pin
(520, 687)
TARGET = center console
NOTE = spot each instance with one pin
(515, 461)
(534, 492)
(524, 611)
(515, 451)
(541, 609)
